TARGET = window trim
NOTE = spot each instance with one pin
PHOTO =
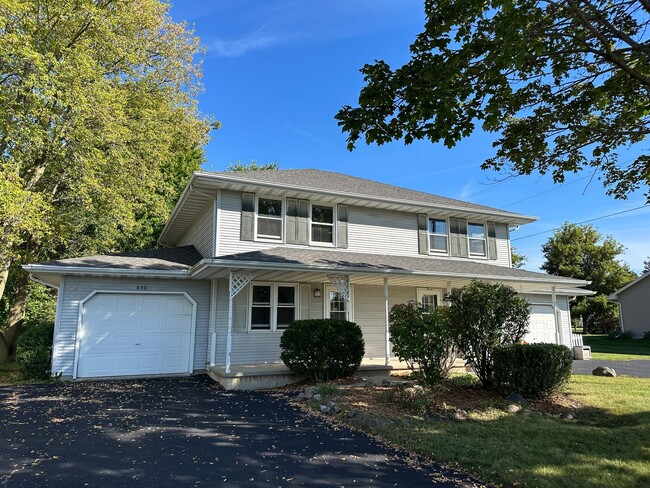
(484, 239)
(282, 219)
(430, 291)
(436, 252)
(274, 305)
(326, 308)
(334, 220)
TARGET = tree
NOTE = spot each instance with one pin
(484, 316)
(253, 166)
(565, 83)
(646, 266)
(581, 252)
(97, 99)
(518, 260)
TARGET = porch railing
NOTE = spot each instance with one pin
(576, 340)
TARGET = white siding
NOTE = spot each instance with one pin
(564, 312)
(201, 233)
(369, 231)
(77, 288)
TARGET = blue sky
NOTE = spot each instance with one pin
(276, 72)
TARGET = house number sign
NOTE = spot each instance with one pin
(141, 287)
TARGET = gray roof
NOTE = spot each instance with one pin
(175, 258)
(334, 260)
(339, 183)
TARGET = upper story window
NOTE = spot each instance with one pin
(477, 241)
(269, 218)
(438, 233)
(322, 224)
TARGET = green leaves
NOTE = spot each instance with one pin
(565, 84)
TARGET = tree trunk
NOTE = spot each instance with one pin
(4, 350)
(16, 317)
(4, 274)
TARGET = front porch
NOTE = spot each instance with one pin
(272, 375)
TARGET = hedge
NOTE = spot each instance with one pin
(34, 352)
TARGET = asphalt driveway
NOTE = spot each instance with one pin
(185, 432)
(639, 368)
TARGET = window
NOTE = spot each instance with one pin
(438, 235)
(322, 224)
(269, 218)
(476, 236)
(430, 299)
(261, 308)
(273, 307)
(286, 309)
(336, 307)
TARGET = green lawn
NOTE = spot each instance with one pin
(602, 347)
(607, 446)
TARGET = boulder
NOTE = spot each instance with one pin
(318, 397)
(512, 408)
(325, 409)
(516, 398)
(604, 371)
(301, 397)
(385, 383)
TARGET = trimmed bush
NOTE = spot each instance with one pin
(322, 349)
(619, 334)
(422, 339)
(646, 335)
(34, 352)
(531, 370)
(482, 317)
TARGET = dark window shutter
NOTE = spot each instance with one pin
(247, 216)
(302, 229)
(342, 227)
(292, 221)
(458, 237)
(492, 241)
(423, 234)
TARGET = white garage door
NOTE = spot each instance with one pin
(542, 325)
(126, 335)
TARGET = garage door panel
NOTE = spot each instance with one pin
(542, 325)
(125, 335)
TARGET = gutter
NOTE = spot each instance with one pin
(233, 263)
(150, 273)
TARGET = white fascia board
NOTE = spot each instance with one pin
(519, 218)
(614, 296)
(81, 270)
(181, 201)
(235, 264)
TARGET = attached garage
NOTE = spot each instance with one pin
(542, 324)
(129, 334)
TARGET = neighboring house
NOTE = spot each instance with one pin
(634, 306)
(249, 252)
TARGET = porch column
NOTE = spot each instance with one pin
(213, 322)
(387, 322)
(237, 282)
(448, 292)
(559, 339)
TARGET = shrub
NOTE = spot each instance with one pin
(531, 370)
(34, 352)
(600, 316)
(618, 334)
(646, 335)
(322, 349)
(482, 317)
(422, 339)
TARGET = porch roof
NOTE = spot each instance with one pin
(329, 261)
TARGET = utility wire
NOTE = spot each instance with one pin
(546, 191)
(583, 222)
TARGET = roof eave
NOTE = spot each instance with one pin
(179, 205)
(237, 264)
(85, 270)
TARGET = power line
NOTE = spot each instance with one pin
(583, 222)
(546, 191)
(490, 186)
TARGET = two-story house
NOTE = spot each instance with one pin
(249, 252)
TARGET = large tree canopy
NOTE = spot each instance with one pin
(579, 251)
(97, 115)
(565, 83)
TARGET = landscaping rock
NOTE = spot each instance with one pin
(604, 371)
(318, 397)
(325, 409)
(516, 398)
(370, 383)
(301, 397)
(385, 383)
(569, 416)
(352, 414)
(309, 392)
(512, 408)
(330, 403)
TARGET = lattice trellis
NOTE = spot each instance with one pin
(342, 284)
(238, 280)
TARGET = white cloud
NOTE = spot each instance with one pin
(466, 191)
